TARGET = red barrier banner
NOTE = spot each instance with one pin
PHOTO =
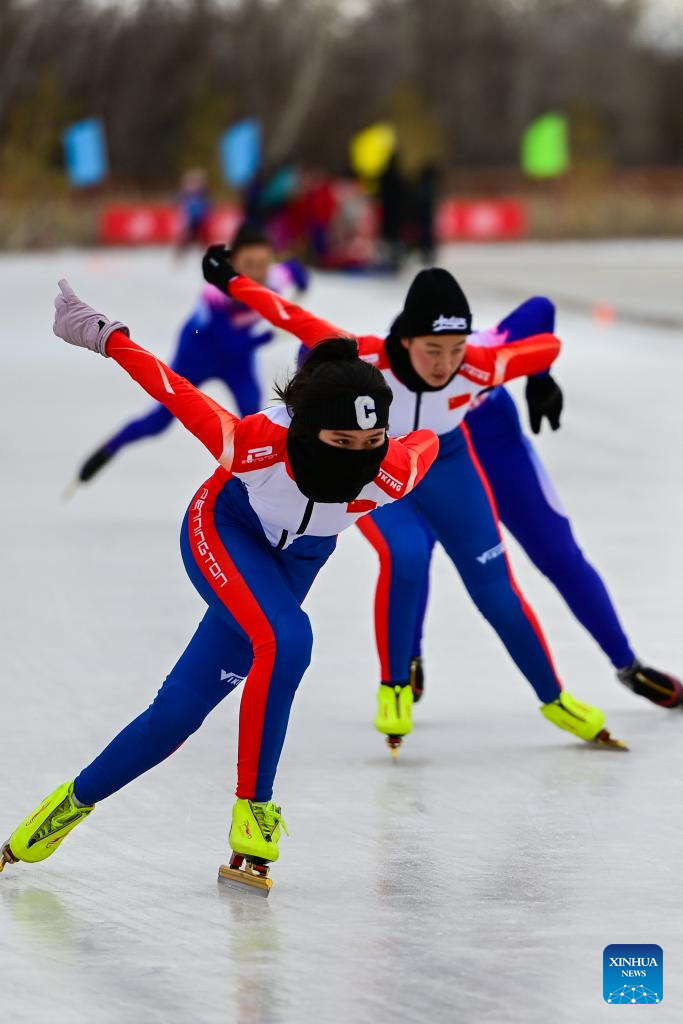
(139, 224)
(154, 224)
(457, 220)
(483, 220)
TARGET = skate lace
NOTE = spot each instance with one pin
(269, 816)
(62, 815)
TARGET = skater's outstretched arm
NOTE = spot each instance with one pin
(210, 423)
(500, 363)
(407, 461)
(535, 315)
(79, 324)
(310, 329)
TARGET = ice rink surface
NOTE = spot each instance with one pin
(476, 880)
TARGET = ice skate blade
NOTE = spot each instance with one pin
(70, 489)
(244, 878)
(394, 744)
(608, 742)
(6, 856)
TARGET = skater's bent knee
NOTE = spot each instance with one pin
(294, 640)
(561, 562)
(535, 316)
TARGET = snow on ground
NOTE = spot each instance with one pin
(479, 878)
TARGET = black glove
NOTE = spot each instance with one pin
(217, 268)
(544, 398)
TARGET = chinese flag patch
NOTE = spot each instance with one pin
(361, 505)
(457, 400)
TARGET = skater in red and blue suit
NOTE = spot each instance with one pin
(436, 376)
(255, 536)
(219, 341)
(532, 510)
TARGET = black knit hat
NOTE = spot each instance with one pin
(435, 304)
(248, 234)
(344, 392)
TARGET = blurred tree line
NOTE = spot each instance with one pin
(168, 77)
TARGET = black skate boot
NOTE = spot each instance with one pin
(94, 464)
(658, 687)
(417, 678)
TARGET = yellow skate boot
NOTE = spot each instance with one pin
(254, 834)
(585, 721)
(42, 832)
(394, 715)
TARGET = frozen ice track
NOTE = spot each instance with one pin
(479, 878)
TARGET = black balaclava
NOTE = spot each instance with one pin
(435, 304)
(343, 393)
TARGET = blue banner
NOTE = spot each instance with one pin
(85, 151)
(240, 152)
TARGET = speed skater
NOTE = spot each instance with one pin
(435, 376)
(532, 510)
(254, 538)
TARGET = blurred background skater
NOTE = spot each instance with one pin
(391, 196)
(426, 194)
(435, 377)
(219, 341)
(254, 538)
(269, 202)
(532, 510)
(194, 207)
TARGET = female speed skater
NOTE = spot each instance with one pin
(254, 538)
(531, 509)
(219, 341)
(435, 377)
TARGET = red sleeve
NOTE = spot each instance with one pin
(407, 461)
(311, 330)
(490, 366)
(373, 350)
(213, 425)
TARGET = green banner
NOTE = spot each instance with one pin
(545, 147)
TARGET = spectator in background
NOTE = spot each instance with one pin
(392, 200)
(194, 203)
(425, 205)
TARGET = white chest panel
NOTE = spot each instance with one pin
(280, 506)
(440, 411)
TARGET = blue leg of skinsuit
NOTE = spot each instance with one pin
(416, 651)
(404, 542)
(531, 509)
(239, 375)
(278, 581)
(453, 500)
(190, 361)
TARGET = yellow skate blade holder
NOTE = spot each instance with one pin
(605, 740)
(242, 874)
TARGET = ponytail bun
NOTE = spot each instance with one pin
(333, 350)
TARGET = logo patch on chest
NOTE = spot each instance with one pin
(264, 452)
(455, 401)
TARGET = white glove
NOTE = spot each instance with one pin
(79, 324)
